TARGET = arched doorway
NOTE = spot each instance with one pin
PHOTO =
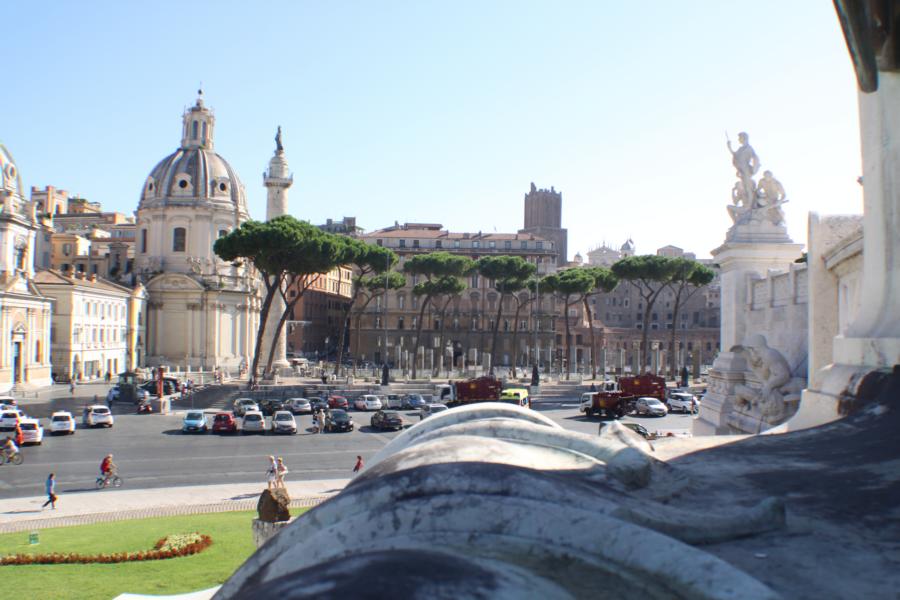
(18, 354)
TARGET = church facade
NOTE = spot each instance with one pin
(203, 312)
(24, 312)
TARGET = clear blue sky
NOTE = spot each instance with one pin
(445, 112)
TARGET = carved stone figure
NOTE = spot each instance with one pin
(746, 163)
(778, 386)
(278, 146)
(196, 264)
(769, 191)
(752, 202)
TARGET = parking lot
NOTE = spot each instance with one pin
(152, 451)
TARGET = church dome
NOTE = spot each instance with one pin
(628, 245)
(10, 182)
(194, 174)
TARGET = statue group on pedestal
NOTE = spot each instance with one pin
(754, 201)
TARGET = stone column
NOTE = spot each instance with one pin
(636, 358)
(621, 366)
(602, 365)
(663, 364)
(654, 358)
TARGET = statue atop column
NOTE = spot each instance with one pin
(756, 204)
(279, 148)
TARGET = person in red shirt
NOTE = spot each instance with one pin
(107, 467)
(359, 464)
(20, 437)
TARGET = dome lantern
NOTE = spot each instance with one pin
(198, 123)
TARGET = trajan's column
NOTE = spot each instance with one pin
(277, 181)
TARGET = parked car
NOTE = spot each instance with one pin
(338, 420)
(640, 430)
(298, 406)
(113, 395)
(96, 416)
(224, 422)
(253, 422)
(681, 402)
(283, 422)
(170, 386)
(338, 402)
(367, 402)
(32, 432)
(430, 409)
(194, 422)
(394, 401)
(318, 403)
(387, 419)
(8, 401)
(270, 406)
(62, 422)
(9, 418)
(650, 406)
(413, 401)
(242, 405)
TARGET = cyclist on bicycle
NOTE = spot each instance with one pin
(9, 448)
(107, 468)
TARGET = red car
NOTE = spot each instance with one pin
(224, 422)
(338, 402)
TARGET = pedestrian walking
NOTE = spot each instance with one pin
(72, 386)
(20, 437)
(272, 472)
(50, 487)
(359, 464)
(315, 422)
(281, 470)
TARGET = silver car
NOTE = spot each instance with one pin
(298, 406)
(650, 406)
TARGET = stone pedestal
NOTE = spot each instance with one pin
(744, 255)
(263, 531)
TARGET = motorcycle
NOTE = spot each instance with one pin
(144, 408)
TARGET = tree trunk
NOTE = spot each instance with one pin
(288, 308)
(359, 315)
(673, 359)
(443, 314)
(650, 300)
(415, 361)
(516, 336)
(260, 333)
(495, 332)
(587, 311)
(344, 326)
(568, 357)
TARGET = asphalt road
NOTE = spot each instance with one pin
(151, 451)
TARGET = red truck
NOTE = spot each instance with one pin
(615, 397)
(480, 389)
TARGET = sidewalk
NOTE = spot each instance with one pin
(81, 508)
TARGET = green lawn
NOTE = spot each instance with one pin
(232, 545)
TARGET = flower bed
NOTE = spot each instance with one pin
(171, 546)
